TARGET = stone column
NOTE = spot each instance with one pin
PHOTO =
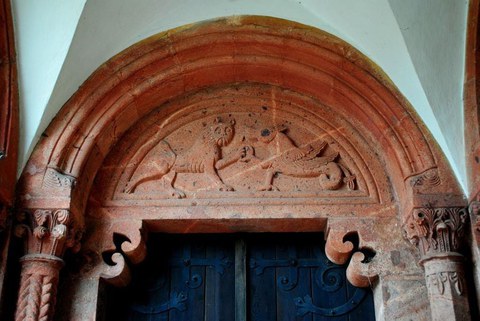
(438, 233)
(38, 287)
(47, 233)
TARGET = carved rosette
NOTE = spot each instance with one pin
(47, 233)
(436, 231)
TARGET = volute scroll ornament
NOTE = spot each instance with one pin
(54, 178)
(339, 250)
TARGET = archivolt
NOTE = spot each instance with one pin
(240, 50)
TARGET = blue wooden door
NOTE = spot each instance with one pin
(284, 277)
(290, 278)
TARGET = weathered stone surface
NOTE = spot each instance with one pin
(471, 101)
(250, 124)
(402, 298)
(472, 132)
(439, 235)
(38, 287)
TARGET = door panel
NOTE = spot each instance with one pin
(183, 279)
(291, 279)
(192, 278)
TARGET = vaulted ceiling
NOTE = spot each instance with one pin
(419, 44)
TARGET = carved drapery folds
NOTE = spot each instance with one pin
(438, 233)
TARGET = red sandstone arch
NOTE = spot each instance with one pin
(168, 65)
(408, 164)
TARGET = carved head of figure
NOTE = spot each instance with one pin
(222, 133)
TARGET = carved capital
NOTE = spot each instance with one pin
(436, 231)
(474, 210)
(48, 231)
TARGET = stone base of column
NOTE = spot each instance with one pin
(39, 281)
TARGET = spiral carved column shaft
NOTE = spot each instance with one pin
(36, 299)
(438, 233)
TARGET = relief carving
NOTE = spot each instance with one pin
(205, 156)
(439, 281)
(48, 232)
(427, 179)
(305, 161)
(43, 286)
(474, 210)
(38, 287)
(229, 157)
(436, 230)
(53, 179)
(438, 233)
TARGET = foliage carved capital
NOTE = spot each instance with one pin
(436, 231)
(48, 231)
(474, 210)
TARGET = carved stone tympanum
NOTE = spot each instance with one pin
(243, 150)
(248, 149)
(208, 154)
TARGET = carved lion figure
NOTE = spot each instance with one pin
(205, 156)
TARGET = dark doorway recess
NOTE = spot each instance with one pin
(254, 277)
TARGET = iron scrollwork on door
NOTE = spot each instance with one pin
(177, 301)
(210, 278)
(305, 305)
(188, 280)
(193, 281)
(327, 276)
